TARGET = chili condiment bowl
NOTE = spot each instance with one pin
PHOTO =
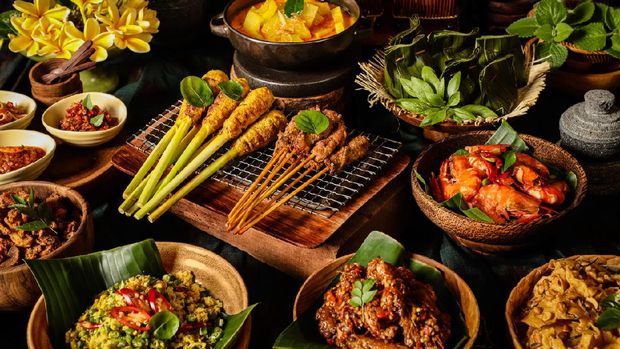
(53, 116)
(23, 102)
(17, 138)
(18, 288)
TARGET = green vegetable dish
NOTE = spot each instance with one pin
(147, 312)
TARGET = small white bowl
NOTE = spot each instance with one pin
(14, 138)
(22, 101)
(57, 111)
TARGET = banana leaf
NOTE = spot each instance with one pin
(303, 333)
(70, 285)
(447, 45)
(498, 85)
(496, 46)
(400, 57)
(505, 134)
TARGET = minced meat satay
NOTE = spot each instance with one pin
(326, 147)
(299, 142)
(356, 149)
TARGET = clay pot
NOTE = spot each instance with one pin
(18, 288)
(50, 94)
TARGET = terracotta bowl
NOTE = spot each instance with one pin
(18, 288)
(211, 270)
(485, 237)
(521, 293)
(50, 94)
(314, 287)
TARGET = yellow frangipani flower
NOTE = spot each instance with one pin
(84, 3)
(102, 41)
(127, 32)
(54, 41)
(147, 18)
(23, 41)
(33, 12)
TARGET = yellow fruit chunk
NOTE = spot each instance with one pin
(338, 19)
(267, 9)
(309, 14)
(252, 23)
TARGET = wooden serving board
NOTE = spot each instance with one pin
(289, 239)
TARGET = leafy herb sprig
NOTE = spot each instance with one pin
(292, 7)
(96, 120)
(362, 293)
(312, 121)
(610, 317)
(164, 325)
(40, 215)
(231, 89)
(196, 91)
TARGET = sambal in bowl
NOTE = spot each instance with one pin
(16, 110)
(24, 155)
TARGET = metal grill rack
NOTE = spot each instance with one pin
(324, 197)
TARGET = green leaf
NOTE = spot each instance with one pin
(435, 117)
(458, 203)
(312, 121)
(508, 159)
(552, 52)
(609, 319)
(550, 12)
(524, 27)
(615, 42)
(292, 7)
(31, 197)
(232, 327)
(463, 114)
(435, 100)
(454, 100)
(571, 179)
(612, 18)
(591, 37)
(479, 111)
(378, 245)
(422, 181)
(97, 120)
(545, 32)
(477, 215)
(196, 91)
(562, 32)
(611, 301)
(494, 47)
(614, 53)
(581, 13)
(461, 152)
(33, 226)
(368, 285)
(505, 134)
(454, 83)
(428, 75)
(368, 296)
(413, 105)
(164, 325)
(18, 199)
(6, 27)
(231, 89)
(415, 87)
(87, 103)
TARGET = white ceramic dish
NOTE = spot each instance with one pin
(56, 112)
(22, 101)
(27, 138)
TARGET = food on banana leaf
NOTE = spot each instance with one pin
(574, 306)
(15, 157)
(500, 183)
(32, 227)
(382, 306)
(9, 112)
(292, 20)
(148, 312)
(449, 76)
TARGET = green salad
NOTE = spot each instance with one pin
(147, 312)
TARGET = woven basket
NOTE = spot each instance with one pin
(521, 293)
(371, 79)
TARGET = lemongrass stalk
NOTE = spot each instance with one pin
(166, 159)
(185, 157)
(150, 161)
(195, 182)
(213, 146)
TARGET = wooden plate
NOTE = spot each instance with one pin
(314, 287)
(211, 270)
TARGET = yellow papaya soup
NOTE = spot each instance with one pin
(267, 20)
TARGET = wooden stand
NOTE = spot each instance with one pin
(291, 240)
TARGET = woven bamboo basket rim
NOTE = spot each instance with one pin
(523, 289)
(371, 79)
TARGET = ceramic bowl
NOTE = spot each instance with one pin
(521, 293)
(214, 272)
(21, 101)
(485, 237)
(316, 284)
(27, 138)
(56, 112)
(18, 288)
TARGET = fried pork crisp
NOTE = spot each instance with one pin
(402, 314)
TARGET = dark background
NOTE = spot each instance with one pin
(150, 84)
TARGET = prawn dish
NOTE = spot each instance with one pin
(506, 185)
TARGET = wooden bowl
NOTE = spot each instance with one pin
(211, 270)
(316, 284)
(16, 138)
(521, 293)
(50, 94)
(23, 102)
(485, 237)
(18, 288)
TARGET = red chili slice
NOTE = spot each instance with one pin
(132, 317)
(157, 301)
(133, 297)
(89, 325)
(192, 326)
